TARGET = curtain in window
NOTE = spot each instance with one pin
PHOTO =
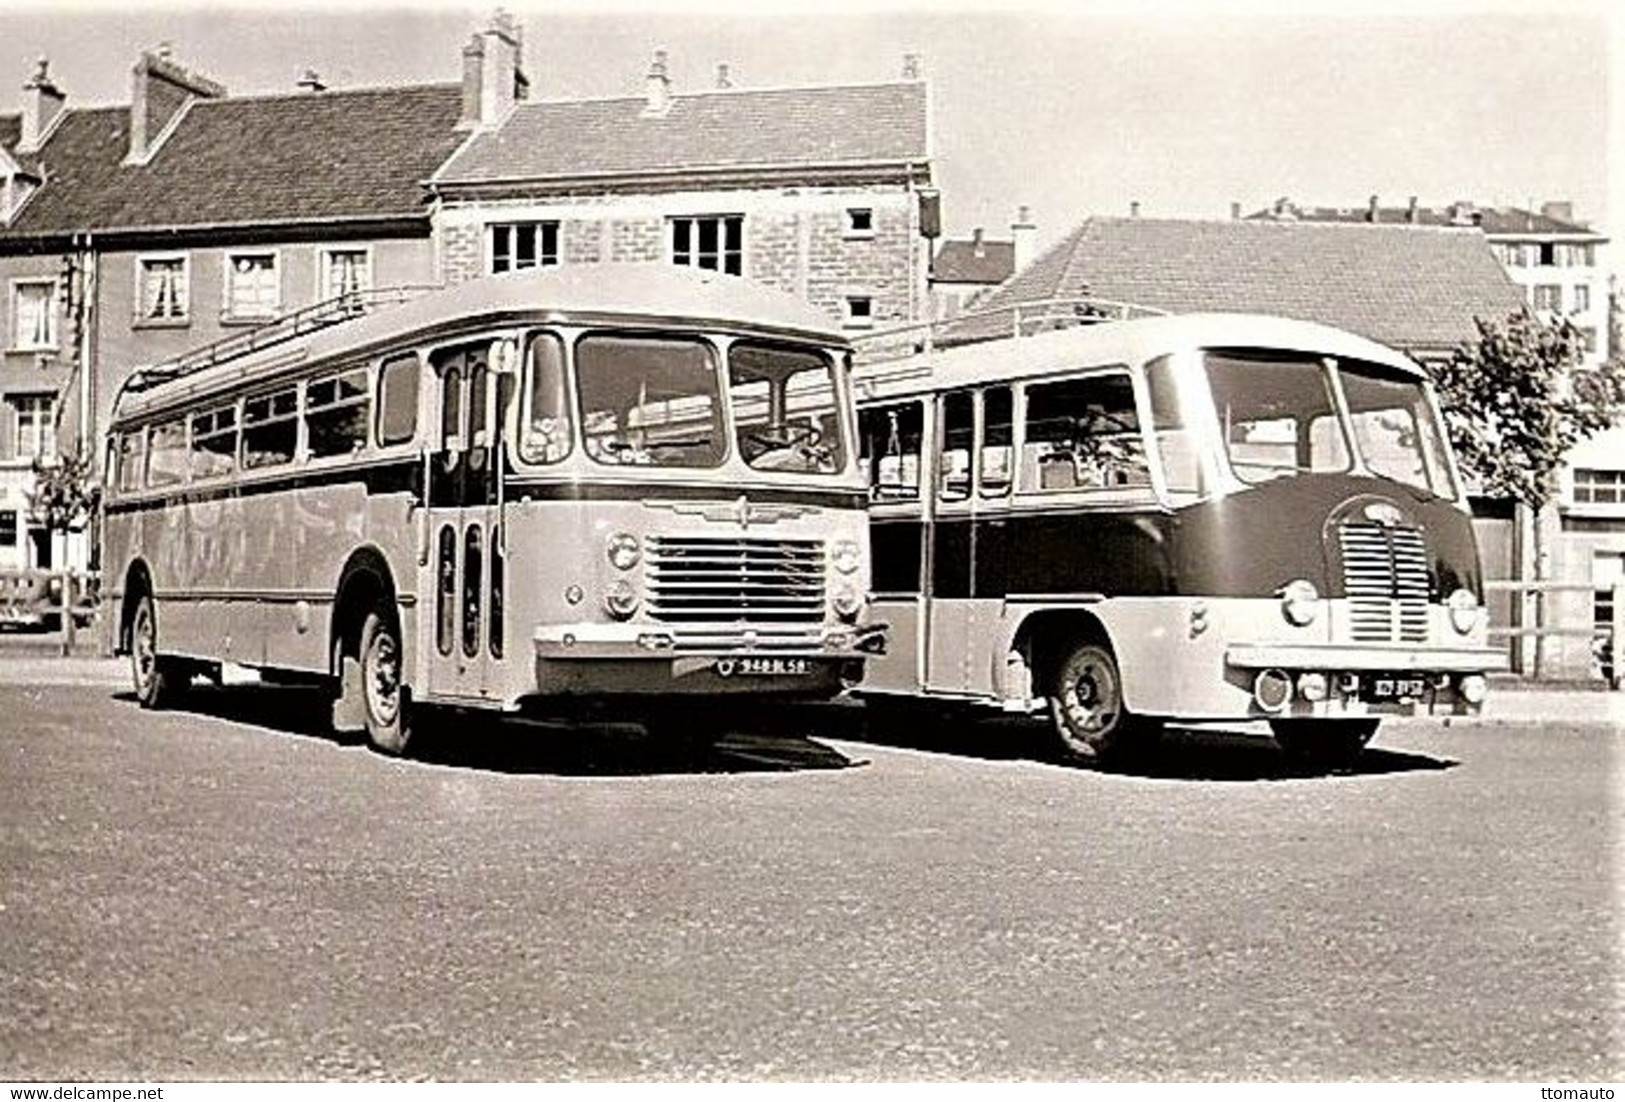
(346, 272)
(36, 316)
(164, 290)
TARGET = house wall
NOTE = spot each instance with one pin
(794, 238)
(24, 372)
(1520, 256)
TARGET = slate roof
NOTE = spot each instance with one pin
(248, 161)
(834, 126)
(1494, 221)
(985, 262)
(1409, 287)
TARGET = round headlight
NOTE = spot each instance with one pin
(1464, 611)
(621, 600)
(623, 551)
(847, 601)
(1300, 602)
(845, 556)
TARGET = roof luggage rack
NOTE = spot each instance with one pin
(309, 319)
(1021, 319)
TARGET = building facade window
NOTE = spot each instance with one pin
(1513, 255)
(8, 528)
(860, 222)
(1598, 487)
(858, 311)
(715, 243)
(1547, 296)
(1582, 298)
(345, 272)
(33, 312)
(33, 433)
(253, 285)
(516, 246)
(164, 291)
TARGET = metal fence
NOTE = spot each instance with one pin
(1534, 623)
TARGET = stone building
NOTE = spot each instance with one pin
(815, 190)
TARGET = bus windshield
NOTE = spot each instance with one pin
(785, 414)
(1281, 415)
(650, 401)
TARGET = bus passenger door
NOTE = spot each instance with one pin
(892, 441)
(463, 630)
(950, 547)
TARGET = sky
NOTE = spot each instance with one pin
(1073, 111)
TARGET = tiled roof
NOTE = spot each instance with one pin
(252, 160)
(1494, 221)
(833, 126)
(1406, 286)
(986, 262)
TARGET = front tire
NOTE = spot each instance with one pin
(1323, 743)
(385, 698)
(1092, 724)
(158, 680)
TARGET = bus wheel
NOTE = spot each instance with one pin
(158, 680)
(1086, 705)
(1323, 743)
(383, 694)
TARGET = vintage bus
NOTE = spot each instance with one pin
(1192, 518)
(602, 482)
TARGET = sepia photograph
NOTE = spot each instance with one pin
(877, 542)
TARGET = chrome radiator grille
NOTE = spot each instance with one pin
(1385, 573)
(716, 579)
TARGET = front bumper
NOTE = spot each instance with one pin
(1348, 680)
(597, 659)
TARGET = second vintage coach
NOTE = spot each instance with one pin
(602, 482)
(1192, 518)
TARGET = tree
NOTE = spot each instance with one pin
(1516, 402)
(66, 492)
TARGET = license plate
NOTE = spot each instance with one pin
(763, 667)
(1393, 687)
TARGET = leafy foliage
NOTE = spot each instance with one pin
(1515, 403)
(66, 492)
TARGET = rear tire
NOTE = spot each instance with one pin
(1092, 724)
(158, 680)
(1323, 743)
(386, 701)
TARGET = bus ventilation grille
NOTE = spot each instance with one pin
(1385, 574)
(723, 580)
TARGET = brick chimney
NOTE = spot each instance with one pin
(312, 82)
(1412, 215)
(42, 103)
(1235, 212)
(493, 73)
(724, 77)
(1025, 236)
(1371, 209)
(657, 88)
(159, 88)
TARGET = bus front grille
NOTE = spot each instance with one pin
(1385, 574)
(718, 579)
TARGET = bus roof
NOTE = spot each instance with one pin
(1113, 342)
(593, 293)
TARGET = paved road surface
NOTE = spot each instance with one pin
(222, 892)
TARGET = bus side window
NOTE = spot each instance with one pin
(132, 455)
(546, 437)
(398, 400)
(1083, 434)
(998, 413)
(890, 441)
(270, 429)
(214, 442)
(337, 412)
(167, 460)
(954, 449)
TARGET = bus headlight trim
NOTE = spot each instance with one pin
(845, 556)
(623, 550)
(621, 600)
(1464, 611)
(1314, 687)
(847, 601)
(1300, 602)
